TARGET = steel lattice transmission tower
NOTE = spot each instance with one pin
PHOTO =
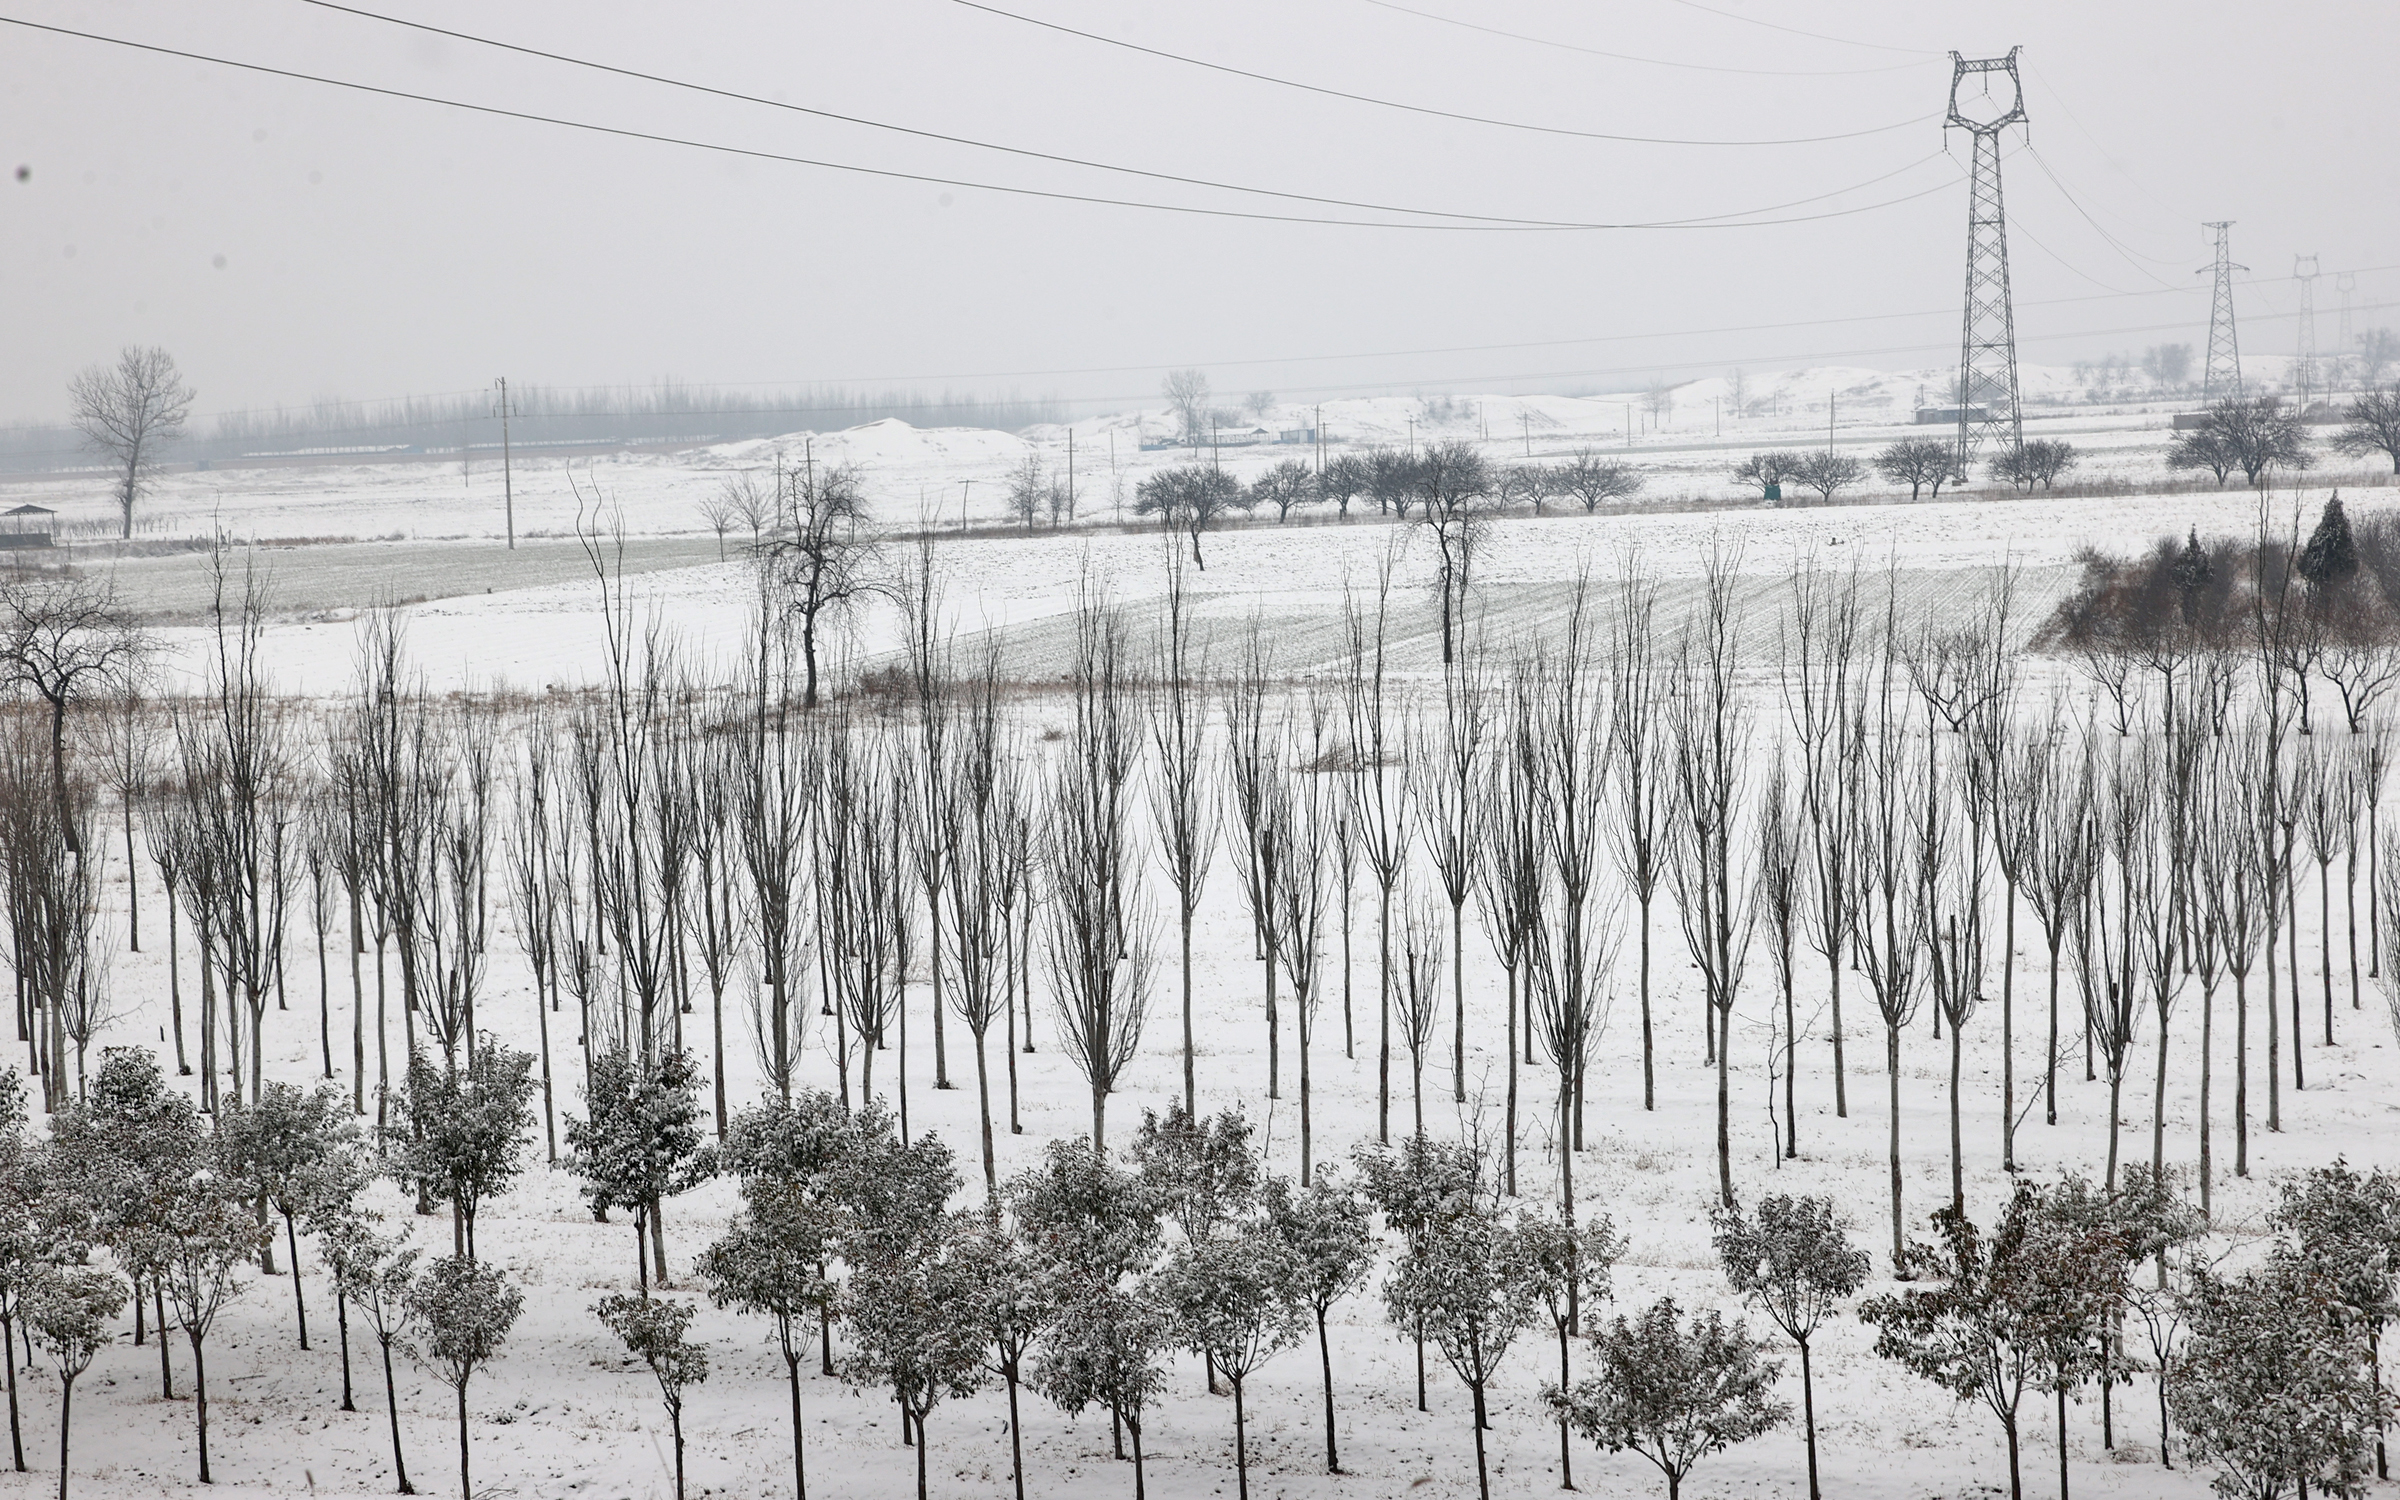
(1987, 352)
(2304, 271)
(2222, 375)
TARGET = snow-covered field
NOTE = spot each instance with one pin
(564, 1414)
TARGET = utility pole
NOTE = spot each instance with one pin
(1526, 418)
(1987, 356)
(1070, 476)
(2344, 282)
(2222, 375)
(508, 485)
(1831, 397)
(965, 488)
(2304, 271)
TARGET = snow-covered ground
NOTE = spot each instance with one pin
(564, 1414)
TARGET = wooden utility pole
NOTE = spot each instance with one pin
(1070, 476)
(508, 486)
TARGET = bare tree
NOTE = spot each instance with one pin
(1187, 397)
(1916, 462)
(1379, 803)
(1637, 736)
(977, 828)
(821, 557)
(1190, 499)
(1446, 772)
(1417, 993)
(1829, 473)
(2372, 425)
(1453, 487)
(129, 413)
(1595, 481)
(1711, 739)
(1825, 701)
(1782, 873)
(1186, 830)
(1302, 891)
(65, 640)
(1510, 885)
(1890, 929)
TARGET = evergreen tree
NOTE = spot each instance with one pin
(1673, 1391)
(1015, 1304)
(467, 1131)
(1230, 1299)
(914, 1317)
(377, 1274)
(2329, 558)
(2273, 1390)
(641, 1143)
(772, 1262)
(1570, 1268)
(1470, 1287)
(653, 1330)
(466, 1310)
(207, 1237)
(1103, 1350)
(1326, 1227)
(70, 1312)
(1419, 1189)
(1971, 1334)
(299, 1151)
(1795, 1263)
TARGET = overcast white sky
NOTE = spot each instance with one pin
(287, 240)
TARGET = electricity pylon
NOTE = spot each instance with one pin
(2222, 376)
(2344, 283)
(1987, 346)
(2304, 271)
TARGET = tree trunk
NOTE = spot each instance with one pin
(1808, 1417)
(1458, 1003)
(1508, 1143)
(341, 1322)
(1016, 1438)
(1383, 1021)
(199, 1397)
(1723, 1029)
(291, 1237)
(2050, 1058)
(1649, 1039)
(391, 1406)
(1891, 1070)
(466, 1488)
(983, 1104)
(1791, 1068)
(1191, 1077)
(1333, 1461)
(1241, 1446)
(66, 1425)
(791, 1365)
(1958, 1165)
(2008, 1033)
(1483, 1478)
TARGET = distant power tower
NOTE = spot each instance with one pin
(2222, 376)
(1987, 349)
(2304, 271)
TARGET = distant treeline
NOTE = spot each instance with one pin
(545, 415)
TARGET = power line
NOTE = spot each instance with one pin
(1796, 31)
(1719, 221)
(1420, 109)
(930, 135)
(1656, 62)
